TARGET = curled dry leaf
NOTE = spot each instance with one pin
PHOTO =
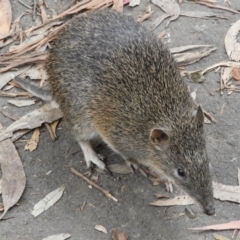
(101, 228)
(5, 17)
(232, 46)
(47, 113)
(13, 175)
(148, 13)
(52, 129)
(61, 236)
(33, 142)
(118, 235)
(162, 195)
(48, 201)
(176, 201)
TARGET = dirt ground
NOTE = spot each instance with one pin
(132, 213)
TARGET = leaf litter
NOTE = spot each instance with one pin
(101, 228)
(232, 46)
(119, 235)
(61, 236)
(13, 175)
(5, 17)
(47, 113)
(170, 7)
(19, 57)
(48, 201)
(33, 142)
(21, 103)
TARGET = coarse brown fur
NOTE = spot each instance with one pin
(114, 79)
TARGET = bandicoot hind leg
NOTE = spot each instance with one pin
(90, 155)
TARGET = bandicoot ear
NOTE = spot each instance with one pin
(200, 115)
(159, 137)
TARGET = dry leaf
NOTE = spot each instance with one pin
(35, 72)
(220, 237)
(7, 76)
(221, 64)
(118, 235)
(9, 115)
(199, 14)
(42, 11)
(176, 201)
(118, 5)
(232, 46)
(13, 175)
(5, 17)
(134, 3)
(162, 195)
(53, 137)
(61, 236)
(53, 126)
(101, 228)
(194, 54)
(48, 201)
(19, 134)
(19, 94)
(148, 13)
(159, 20)
(236, 74)
(212, 5)
(33, 142)
(223, 226)
(21, 103)
(47, 113)
(170, 7)
(226, 192)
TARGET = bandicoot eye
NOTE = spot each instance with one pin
(181, 172)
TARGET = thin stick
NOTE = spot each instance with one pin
(34, 9)
(106, 192)
(24, 4)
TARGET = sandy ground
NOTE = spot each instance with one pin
(132, 213)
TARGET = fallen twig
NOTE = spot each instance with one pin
(106, 192)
